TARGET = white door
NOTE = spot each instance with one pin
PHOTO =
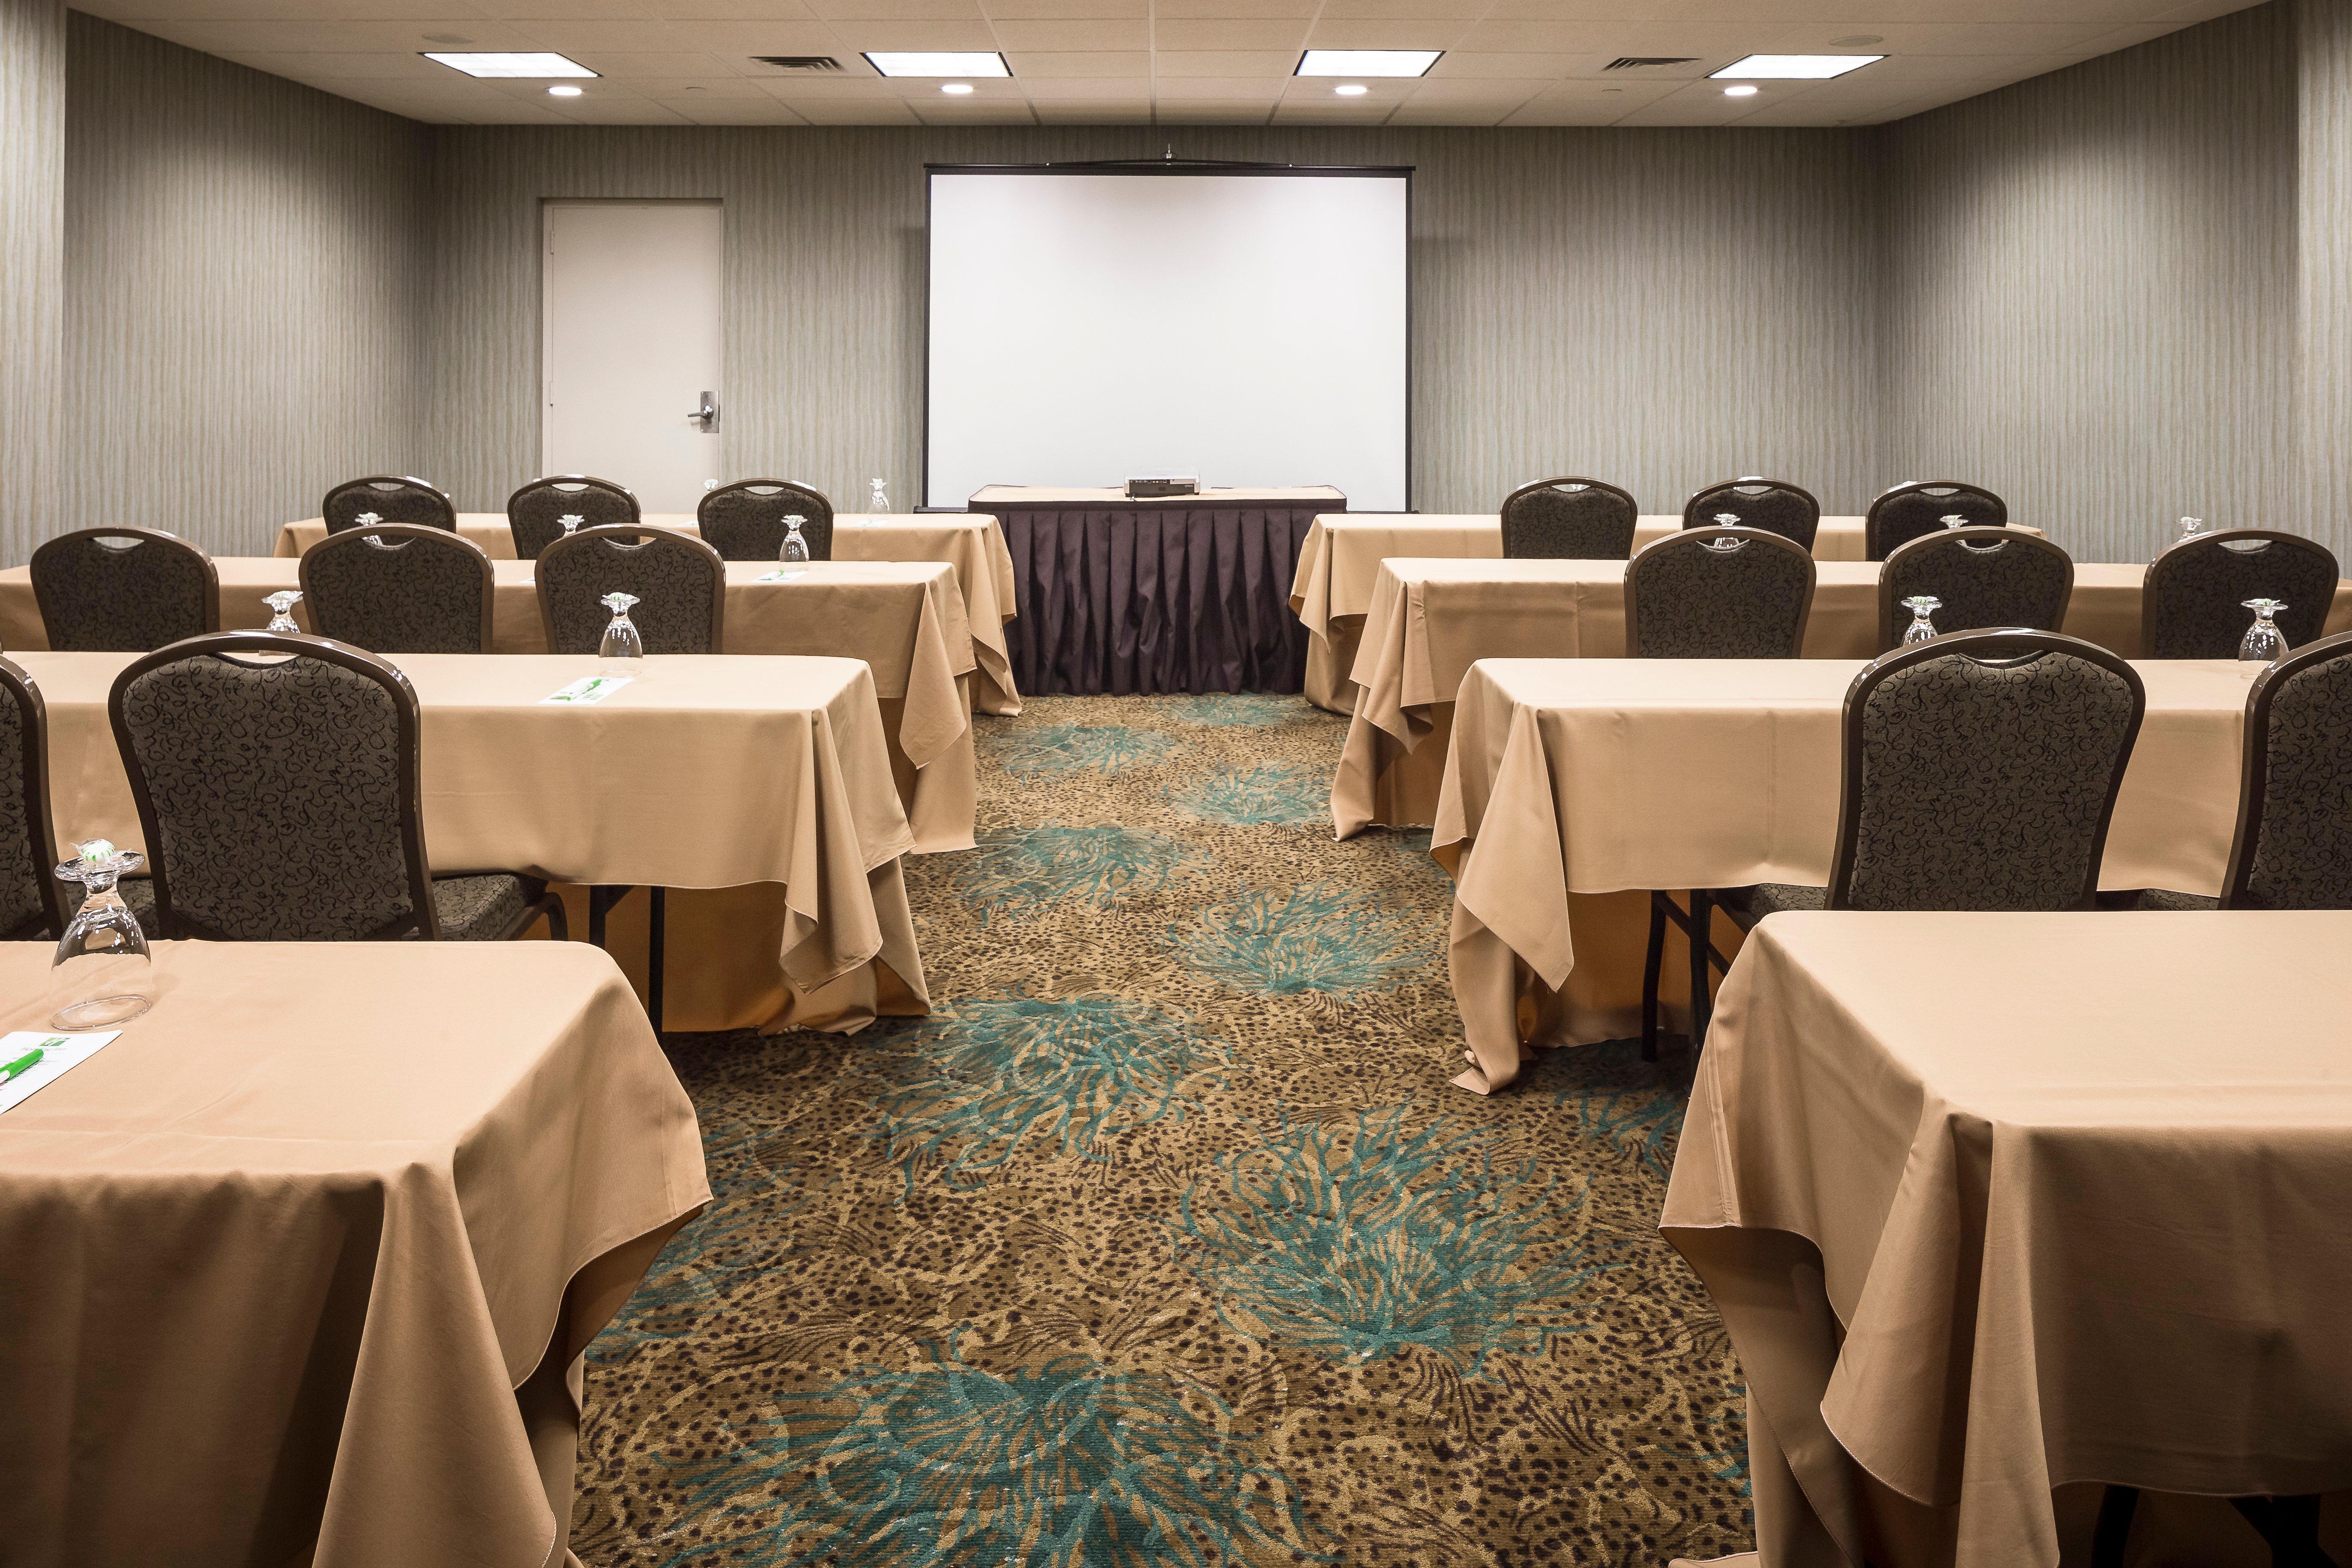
(633, 333)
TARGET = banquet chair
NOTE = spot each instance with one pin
(745, 520)
(1710, 592)
(1984, 576)
(2293, 847)
(280, 799)
(678, 581)
(1980, 771)
(1568, 520)
(535, 514)
(1753, 501)
(399, 588)
(123, 590)
(1918, 508)
(392, 499)
(31, 906)
(2192, 601)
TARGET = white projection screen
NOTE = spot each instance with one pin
(1242, 324)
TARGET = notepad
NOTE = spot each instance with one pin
(588, 689)
(61, 1054)
(785, 575)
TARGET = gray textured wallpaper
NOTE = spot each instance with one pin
(32, 264)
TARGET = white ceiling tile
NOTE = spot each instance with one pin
(1085, 89)
(730, 10)
(795, 86)
(1112, 62)
(1116, 112)
(1417, 113)
(897, 10)
(1069, 10)
(1223, 89)
(1456, 16)
(564, 10)
(364, 65)
(859, 33)
(665, 66)
(1073, 37)
(735, 111)
(1508, 91)
(1569, 111)
(739, 39)
(1190, 112)
(644, 35)
(1246, 10)
(1359, 33)
(1458, 66)
(1223, 62)
(855, 111)
(699, 88)
(1194, 34)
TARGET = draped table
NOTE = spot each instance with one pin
(301, 1266)
(1999, 1204)
(1574, 777)
(764, 783)
(905, 619)
(973, 545)
(1177, 593)
(1430, 620)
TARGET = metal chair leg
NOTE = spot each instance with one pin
(1651, 963)
(2113, 1532)
(655, 953)
(1702, 939)
(2289, 1526)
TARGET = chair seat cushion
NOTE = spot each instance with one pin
(487, 908)
(1748, 905)
(2165, 898)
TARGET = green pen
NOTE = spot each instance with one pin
(29, 1060)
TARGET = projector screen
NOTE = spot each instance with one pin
(1246, 327)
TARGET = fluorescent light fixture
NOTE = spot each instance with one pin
(1739, 92)
(938, 62)
(510, 65)
(1805, 68)
(1352, 90)
(957, 87)
(560, 92)
(1367, 62)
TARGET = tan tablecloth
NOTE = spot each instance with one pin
(904, 618)
(1583, 776)
(713, 772)
(1340, 563)
(1430, 620)
(2077, 1189)
(311, 1253)
(973, 544)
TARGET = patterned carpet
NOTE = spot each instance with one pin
(1165, 1242)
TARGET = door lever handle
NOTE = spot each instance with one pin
(707, 416)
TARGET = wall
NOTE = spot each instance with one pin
(32, 264)
(1661, 308)
(245, 277)
(2324, 266)
(2089, 288)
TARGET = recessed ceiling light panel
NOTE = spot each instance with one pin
(938, 62)
(1795, 67)
(510, 65)
(956, 88)
(559, 91)
(1739, 92)
(1367, 62)
(1352, 90)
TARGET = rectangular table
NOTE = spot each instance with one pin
(769, 778)
(973, 545)
(1430, 620)
(904, 618)
(1179, 593)
(301, 1267)
(1995, 1204)
(1570, 777)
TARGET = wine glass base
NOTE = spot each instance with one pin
(99, 1012)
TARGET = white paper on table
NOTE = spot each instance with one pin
(794, 575)
(588, 689)
(61, 1054)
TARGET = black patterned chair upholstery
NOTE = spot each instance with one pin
(123, 590)
(1980, 772)
(1920, 506)
(679, 583)
(2192, 602)
(31, 905)
(399, 588)
(278, 798)
(1718, 593)
(1985, 577)
(745, 520)
(535, 514)
(1568, 519)
(1772, 505)
(392, 499)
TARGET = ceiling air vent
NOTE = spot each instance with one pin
(1635, 62)
(808, 64)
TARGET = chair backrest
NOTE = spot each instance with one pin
(1570, 518)
(535, 514)
(1919, 507)
(123, 590)
(745, 520)
(679, 581)
(398, 588)
(1773, 505)
(393, 500)
(30, 903)
(1981, 772)
(2192, 601)
(2294, 844)
(1986, 578)
(1718, 593)
(278, 796)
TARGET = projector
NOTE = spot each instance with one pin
(1149, 487)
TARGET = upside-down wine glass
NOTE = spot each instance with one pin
(796, 550)
(281, 612)
(1923, 608)
(2263, 642)
(1953, 519)
(103, 961)
(878, 503)
(571, 522)
(622, 651)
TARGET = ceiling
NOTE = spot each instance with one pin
(1167, 62)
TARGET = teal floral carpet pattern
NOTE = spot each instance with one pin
(1165, 1241)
